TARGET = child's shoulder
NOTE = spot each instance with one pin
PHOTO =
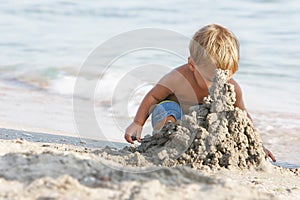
(233, 82)
(175, 76)
(183, 68)
(237, 87)
(181, 72)
(178, 73)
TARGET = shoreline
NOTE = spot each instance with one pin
(13, 134)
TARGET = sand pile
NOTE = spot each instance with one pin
(33, 170)
(212, 135)
(225, 136)
(48, 171)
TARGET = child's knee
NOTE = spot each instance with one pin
(164, 112)
(161, 123)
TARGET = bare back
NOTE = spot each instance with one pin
(184, 87)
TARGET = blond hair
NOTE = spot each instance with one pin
(218, 45)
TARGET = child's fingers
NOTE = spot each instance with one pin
(133, 138)
(136, 137)
(272, 157)
(128, 138)
(132, 133)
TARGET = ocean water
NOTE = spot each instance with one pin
(44, 44)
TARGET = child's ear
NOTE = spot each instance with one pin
(190, 63)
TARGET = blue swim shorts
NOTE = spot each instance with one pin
(165, 109)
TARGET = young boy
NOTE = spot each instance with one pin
(213, 46)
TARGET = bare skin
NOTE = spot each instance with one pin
(160, 124)
(184, 85)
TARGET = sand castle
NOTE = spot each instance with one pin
(215, 134)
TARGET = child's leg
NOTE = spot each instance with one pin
(165, 111)
(161, 123)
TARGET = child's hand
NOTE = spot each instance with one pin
(133, 130)
(269, 154)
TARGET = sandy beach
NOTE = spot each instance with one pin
(57, 170)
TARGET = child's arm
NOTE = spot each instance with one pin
(240, 104)
(157, 94)
(239, 97)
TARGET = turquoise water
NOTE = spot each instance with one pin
(44, 43)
